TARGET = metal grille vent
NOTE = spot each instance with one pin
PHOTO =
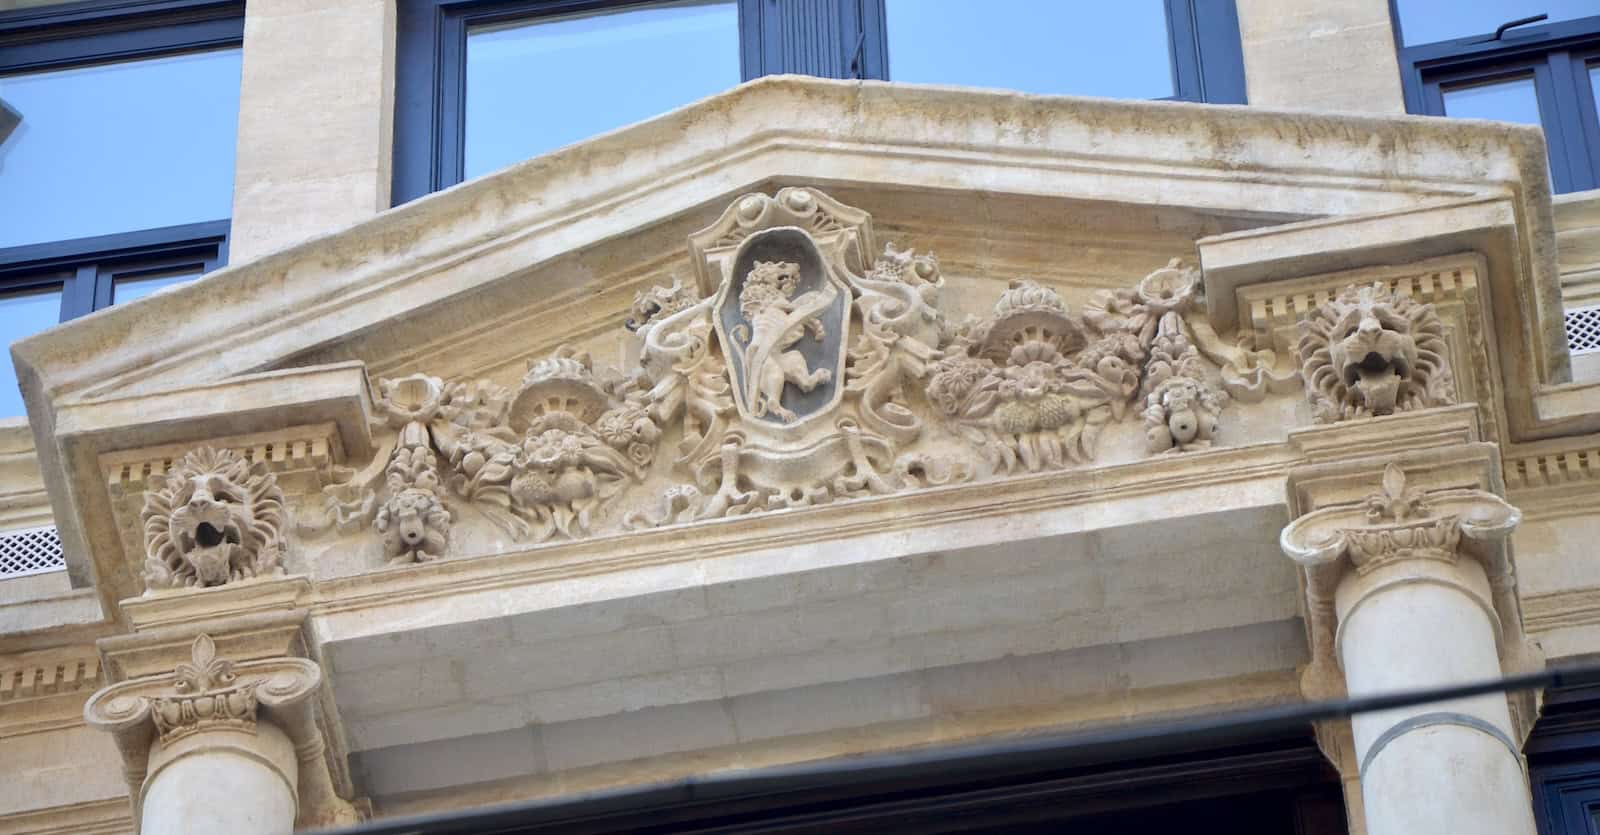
(30, 551)
(1583, 329)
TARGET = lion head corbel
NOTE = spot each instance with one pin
(212, 519)
(1370, 351)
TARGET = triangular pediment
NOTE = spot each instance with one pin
(479, 281)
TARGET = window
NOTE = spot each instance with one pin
(686, 50)
(1461, 58)
(481, 84)
(117, 133)
(1564, 761)
(1147, 49)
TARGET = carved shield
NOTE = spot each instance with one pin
(783, 318)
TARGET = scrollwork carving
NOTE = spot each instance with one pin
(806, 365)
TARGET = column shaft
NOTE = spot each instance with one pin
(218, 781)
(1449, 768)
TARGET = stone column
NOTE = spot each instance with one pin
(222, 747)
(1412, 589)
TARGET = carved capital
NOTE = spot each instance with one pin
(212, 694)
(1426, 509)
(1398, 522)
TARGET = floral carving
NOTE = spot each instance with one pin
(567, 446)
(212, 519)
(799, 368)
(1371, 351)
(207, 694)
(1035, 384)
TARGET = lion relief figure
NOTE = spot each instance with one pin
(212, 519)
(1370, 351)
(777, 321)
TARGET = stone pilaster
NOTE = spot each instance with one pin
(1410, 584)
(218, 746)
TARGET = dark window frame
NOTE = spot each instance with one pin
(98, 32)
(842, 39)
(1202, 44)
(1557, 55)
(86, 269)
(1563, 753)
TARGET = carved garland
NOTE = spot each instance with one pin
(796, 371)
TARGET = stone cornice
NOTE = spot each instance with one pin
(95, 817)
(45, 689)
(1389, 162)
(1253, 468)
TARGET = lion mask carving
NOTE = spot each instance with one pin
(1370, 351)
(212, 519)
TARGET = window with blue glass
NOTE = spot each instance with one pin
(1533, 62)
(117, 133)
(481, 84)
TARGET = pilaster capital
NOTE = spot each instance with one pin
(209, 699)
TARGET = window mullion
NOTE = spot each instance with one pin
(1550, 86)
(1588, 114)
(77, 297)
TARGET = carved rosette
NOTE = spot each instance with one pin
(213, 694)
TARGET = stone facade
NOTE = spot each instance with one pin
(814, 419)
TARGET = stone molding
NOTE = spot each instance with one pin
(210, 694)
(455, 254)
(46, 672)
(96, 817)
(45, 689)
(1419, 509)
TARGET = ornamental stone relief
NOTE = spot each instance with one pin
(802, 365)
(211, 520)
(1371, 351)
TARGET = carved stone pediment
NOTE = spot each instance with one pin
(476, 280)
